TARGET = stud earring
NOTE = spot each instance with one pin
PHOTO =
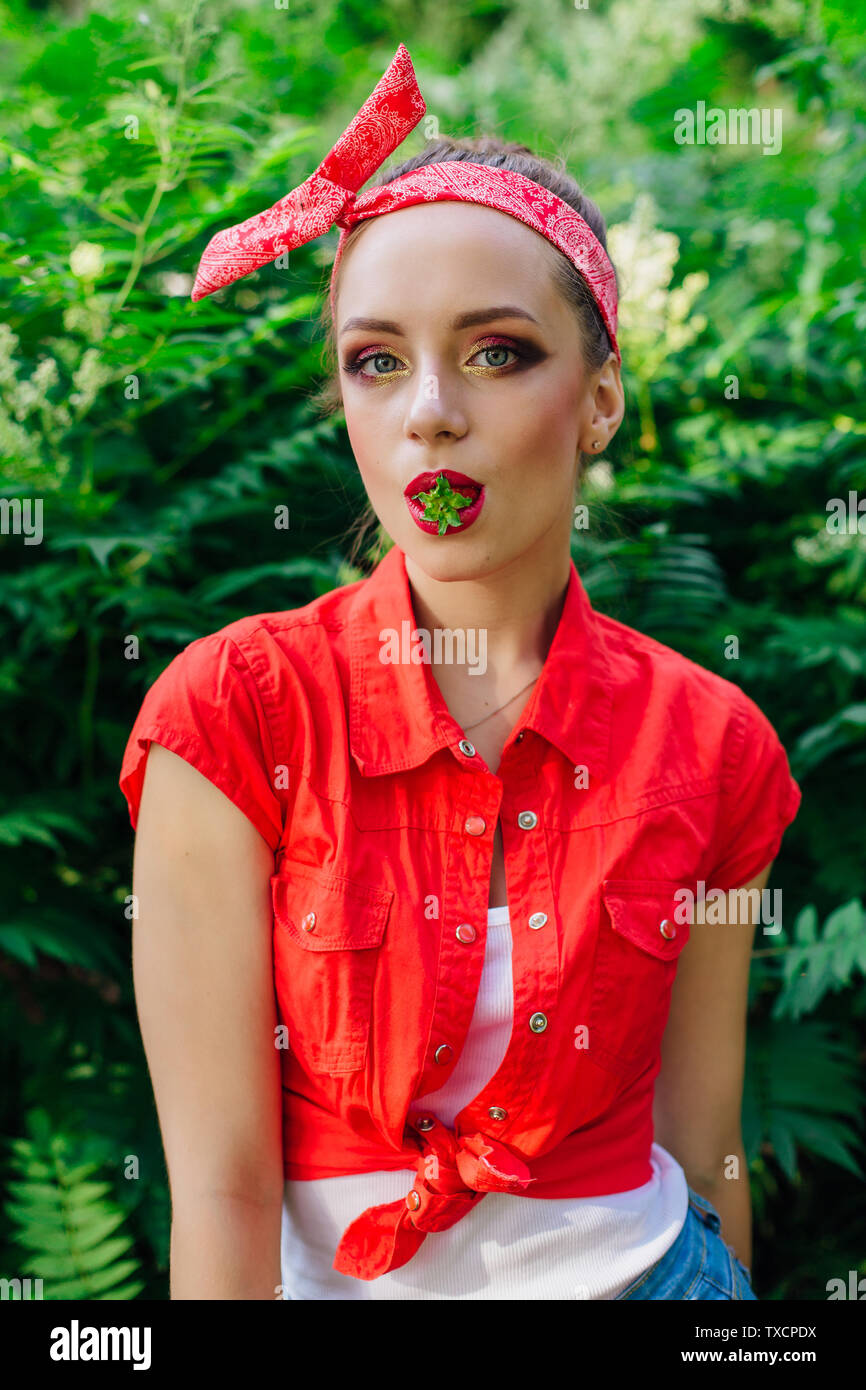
(596, 444)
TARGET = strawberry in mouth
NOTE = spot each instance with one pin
(444, 501)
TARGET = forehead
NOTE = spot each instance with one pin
(432, 252)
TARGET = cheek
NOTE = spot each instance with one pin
(366, 446)
(371, 458)
(357, 427)
(366, 424)
(544, 428)
(554, 409)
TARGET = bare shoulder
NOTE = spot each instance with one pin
(184, 813)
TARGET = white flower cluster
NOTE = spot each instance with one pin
(88, 379)
(654, 320)
(22, 398)
(86, 261)
(21, 448)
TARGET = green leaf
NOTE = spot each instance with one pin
(442, 504)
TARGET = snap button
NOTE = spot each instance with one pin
(466, 933)
(527, 820)
(538, 1023)
(425, 1122)
(413, 1201)
(309, 921)
(497, 1113)
(466, 747)
(537, 920)
(443, 1054)
(667, 929)
(475, 825)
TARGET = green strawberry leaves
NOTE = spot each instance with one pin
(443, 504)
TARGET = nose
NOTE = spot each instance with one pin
(435, 408)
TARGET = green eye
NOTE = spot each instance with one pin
(355, 366)
(379, 357)
(498, 348)
(488, 368)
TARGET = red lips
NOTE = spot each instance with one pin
(468, 487)
(425, 481)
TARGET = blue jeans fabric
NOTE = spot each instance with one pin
(699, 1264)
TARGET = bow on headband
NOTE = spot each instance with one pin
(391, 111)
(329, 197)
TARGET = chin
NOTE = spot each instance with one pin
(450, 559)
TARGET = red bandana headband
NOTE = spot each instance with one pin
(329, 197)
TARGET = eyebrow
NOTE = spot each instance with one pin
(469, 320)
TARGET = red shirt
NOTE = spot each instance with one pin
(632, 773)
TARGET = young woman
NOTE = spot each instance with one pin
(440, 968)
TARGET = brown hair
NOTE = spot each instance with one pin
(486, 149)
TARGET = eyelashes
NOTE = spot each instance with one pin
(524, 352)
(355, 365)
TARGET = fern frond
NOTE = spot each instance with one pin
(65, 1220)
(802, 1089)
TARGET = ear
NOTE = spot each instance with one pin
(608, 403)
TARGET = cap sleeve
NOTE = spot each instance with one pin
(759, 800)
(206, 707)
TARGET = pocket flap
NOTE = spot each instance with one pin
(648, 913)
(322, 911)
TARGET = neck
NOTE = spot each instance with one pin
(516, 608)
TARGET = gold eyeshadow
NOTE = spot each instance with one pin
(524, 351)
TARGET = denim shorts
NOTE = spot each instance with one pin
(699, 1264)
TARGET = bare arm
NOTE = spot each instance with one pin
(203, 972)
(699, 1089)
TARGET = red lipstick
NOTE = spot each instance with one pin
(465, 486)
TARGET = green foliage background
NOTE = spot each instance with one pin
(161, 436)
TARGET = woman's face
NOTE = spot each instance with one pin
(504, 400)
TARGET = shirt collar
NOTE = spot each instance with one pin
(399, 718)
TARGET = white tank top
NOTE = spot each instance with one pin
(508, 1247)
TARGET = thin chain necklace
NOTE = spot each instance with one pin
(467, 727)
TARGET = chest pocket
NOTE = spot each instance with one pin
(328, 934)
(640, 938)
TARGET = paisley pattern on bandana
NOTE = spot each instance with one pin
(463, 181)
(391, 111)
(329, 197)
